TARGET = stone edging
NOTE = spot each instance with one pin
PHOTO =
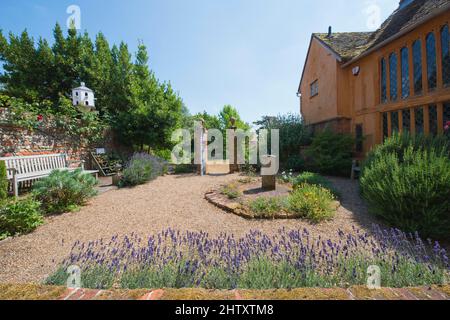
(216, 198)
(42, 292)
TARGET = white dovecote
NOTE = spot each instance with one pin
(83, 97)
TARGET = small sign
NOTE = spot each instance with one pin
(100, 150)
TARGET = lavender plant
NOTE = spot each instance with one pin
(142, 168)
(288, 259)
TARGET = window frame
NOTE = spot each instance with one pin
(312, 86)
(417, 67)
(445, 65)
(431, 60)
(383, 80)
(404, 70)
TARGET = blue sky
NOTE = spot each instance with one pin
(247, 53)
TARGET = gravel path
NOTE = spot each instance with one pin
(170, 201)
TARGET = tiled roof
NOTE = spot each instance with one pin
(346, 45)
(407, 17)
(352, 44)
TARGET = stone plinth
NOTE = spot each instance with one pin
(268, 181)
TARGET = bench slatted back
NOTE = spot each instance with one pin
(30, 164)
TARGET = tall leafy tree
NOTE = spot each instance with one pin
(142, 110)
(121, 79)
(226, 114)
(101, 74)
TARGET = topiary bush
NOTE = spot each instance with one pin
(330, 153)
(3, 182)
(312, 202)
(64, 191)
(142, 168)
(19, 217)
(406, 181)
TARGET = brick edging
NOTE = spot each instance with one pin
(42, 292)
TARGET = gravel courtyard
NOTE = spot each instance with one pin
(172, 201)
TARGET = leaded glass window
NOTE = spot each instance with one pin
(394, 122)
(417, 59)
(419, 120)
(431, 61)
(445, 40)
(385, 126)
(383, 81)
(393, 75)
(406, 120)
(432, 115)
(405, 72)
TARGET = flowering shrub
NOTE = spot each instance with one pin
(287, 259)
(287, 176)
(447, 129)
(142, 168)
(312, 202)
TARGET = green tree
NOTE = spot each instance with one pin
(121, 78)
(225, 116)
(101, 74)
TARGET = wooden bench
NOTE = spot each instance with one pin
(31, 168)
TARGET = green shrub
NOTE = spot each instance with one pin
(398, 144)
(3, 181)
(295, 163)
(19, 217)
(231, 191)
(311, 202)
(314, 179)
(293, 135)
(64, 191)
(140, 169)
(408, 185)
(184, 168)
(330, 153)
(266, 207)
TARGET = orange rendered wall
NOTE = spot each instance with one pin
(364, 93)
(358, 97)
(321, 65)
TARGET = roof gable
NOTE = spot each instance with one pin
(346, 45)
(351, 46)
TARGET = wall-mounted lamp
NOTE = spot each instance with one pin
(299, 95)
